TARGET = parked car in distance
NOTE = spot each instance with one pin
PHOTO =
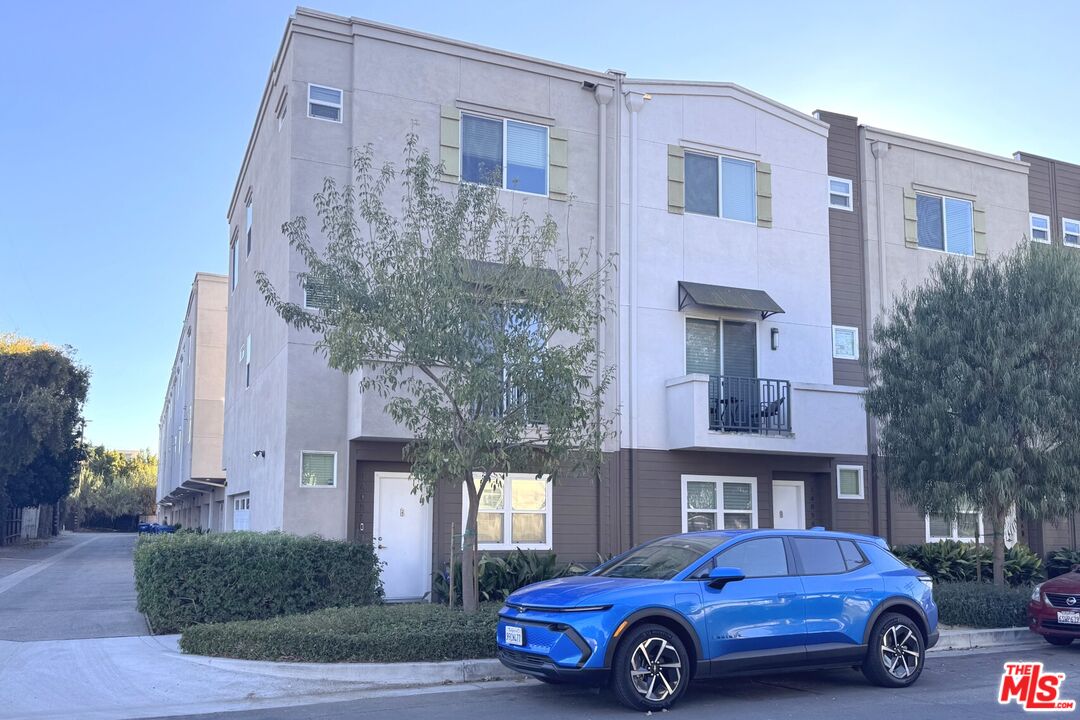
(721, 603)
(1054, 609)
(155, 528)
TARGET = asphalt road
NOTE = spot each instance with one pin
(953, 687)
(78, 586)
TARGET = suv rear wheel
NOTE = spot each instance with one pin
(896, 653)
(651, 669)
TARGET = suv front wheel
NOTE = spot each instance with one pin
(896, 653)
(651, 669)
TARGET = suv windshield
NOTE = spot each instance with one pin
(661, 559)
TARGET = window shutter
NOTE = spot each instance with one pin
(676, 179)
(911, 222)
(450, 143)
(764, 195)
(558, 175)
(979, 221)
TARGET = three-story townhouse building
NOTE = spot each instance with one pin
(191, 482)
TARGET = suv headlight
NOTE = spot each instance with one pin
(927, 581)
(1036, 593)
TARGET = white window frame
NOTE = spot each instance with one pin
(719, 481)
(318, 452)
(1032, 228)
(855, 333)
(861, 495)
(1065, 233)
(955, 535)
(307, 305)
(719, 320)
(339, 105)
(508, 512)
(505, 177)
(945, 222)
(245, 361)
(234, 264)
(249, 220)
(720, 185)
(850, 194)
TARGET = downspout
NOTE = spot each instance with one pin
(603, 95)
(879, 149)
(634, 102)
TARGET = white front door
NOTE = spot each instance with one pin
(402, 537)
(789, 508)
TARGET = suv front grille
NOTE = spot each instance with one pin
(1061, 600)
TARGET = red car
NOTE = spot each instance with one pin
(1054, 610)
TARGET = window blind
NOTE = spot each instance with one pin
(481, 150)
(526, 157)
(739, 193)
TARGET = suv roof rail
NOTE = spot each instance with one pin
(818, 528)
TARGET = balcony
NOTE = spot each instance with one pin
(739, 414)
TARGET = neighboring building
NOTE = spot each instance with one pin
(191, 482)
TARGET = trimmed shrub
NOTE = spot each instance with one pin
(953, 561)
(500, 575)
(189, 578)
(981, 605)
(1061, 561)
(378, 633)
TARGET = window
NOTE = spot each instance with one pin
(661, 559)
(718, 503)
(514, 512)
(234, 262)
(1070, 232)
(324, 103)
(819, 556)
(507, 153)
(849, 482)
(945, 223)
(318, 469)
(845, 342)
(965, 527)
(840, 196)
(316, 295)
(1040, 228)
(756, 558)
(245, 360)
(247, 223)
(853, 557)
(283, 111)
(721, 186)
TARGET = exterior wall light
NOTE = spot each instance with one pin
(775, 335)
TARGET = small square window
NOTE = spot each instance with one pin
(849, 482)
(1070, 232)
(316, 295)
(845, 342)
(945, 223)
(1040, 228)
(324, 103)
(318, 469)
(840, 194)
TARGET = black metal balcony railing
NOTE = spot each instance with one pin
(753, 405)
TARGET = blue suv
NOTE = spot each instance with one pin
(721, 603)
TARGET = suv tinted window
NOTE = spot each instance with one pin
(852, 557)
(764, 557)
(820, 556)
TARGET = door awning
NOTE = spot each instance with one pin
(727, 298)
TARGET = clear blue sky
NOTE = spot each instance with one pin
(123, 124)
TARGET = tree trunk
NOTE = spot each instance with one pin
(470, 591)
(999, 546)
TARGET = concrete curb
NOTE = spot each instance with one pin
(979, 638)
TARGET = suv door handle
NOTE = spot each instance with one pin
(785, 595)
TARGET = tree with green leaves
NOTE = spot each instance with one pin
(975, 380)
(42, 392)
(113, 484)
(476, 325)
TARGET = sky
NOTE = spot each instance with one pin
(123, 125)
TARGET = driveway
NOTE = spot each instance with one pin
(81, 585)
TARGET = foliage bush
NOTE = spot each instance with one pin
(500, 575)
(954, 561)
(377, 633)
(1061, 561)
(981, 604)
(188, 578)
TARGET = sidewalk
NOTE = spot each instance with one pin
(132, 677)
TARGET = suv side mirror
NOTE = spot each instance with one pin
(721, 576)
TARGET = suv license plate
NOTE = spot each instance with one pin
(1070, 617)
(514, 635)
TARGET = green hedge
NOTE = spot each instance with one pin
(981, 605)
(500, 575)
(377, 633)
(187, 579)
